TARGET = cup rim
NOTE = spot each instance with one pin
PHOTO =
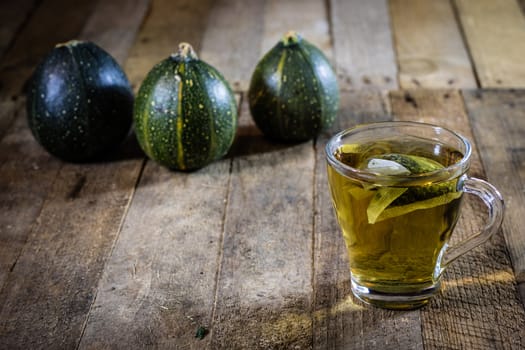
(444, 174)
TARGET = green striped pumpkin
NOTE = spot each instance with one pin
(185, 113)
(293, 92)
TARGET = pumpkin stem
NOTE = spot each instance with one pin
(290, 38)
(69, 43)
(186, 52)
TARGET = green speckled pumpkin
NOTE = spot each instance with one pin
(293, 92)
(185, 112)
(79, 102)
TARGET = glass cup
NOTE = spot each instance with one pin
(397, 189)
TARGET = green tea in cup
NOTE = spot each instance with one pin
(397, 189)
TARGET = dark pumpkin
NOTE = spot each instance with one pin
(79, 102)
(293, 92)
(185, 112)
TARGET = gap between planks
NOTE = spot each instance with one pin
(117, 235)
(240, 99)
(13, 16)
(37, 37)
(50, 192)
(495, 35)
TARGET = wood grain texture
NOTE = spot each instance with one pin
(9, 111)
(498, 119)
(495, 33)
(63, 220)
(27, 173)
(231, 42)
(55, 278)
(114, 25)
(430, 49)
(364, 53)
(521, 287)
(123, 253)
(42, 32)
(167, 25)
(158, 287)
(264, 287)
(13, 15)
(479, 304)
(309, 18)
(340, 321)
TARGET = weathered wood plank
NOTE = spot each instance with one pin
(364, 54)
(54, 21)
(114, 25)
(167, 24)
(498, 120)
(521, 286)
(232, 39)
(9, 111)
(479, 305)
(104, 27)
(264, 287)
(522, 5)
(55, 278)
(27, 173)
(60, 222)
(159, 284)
(339, 320)
(429, 46)
(310, 18)
(13, 14)
(236, 49)
(495, 34)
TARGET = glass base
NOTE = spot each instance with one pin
(395, 300)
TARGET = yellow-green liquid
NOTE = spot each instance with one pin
(395, 247)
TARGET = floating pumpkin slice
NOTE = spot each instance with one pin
(389, 202)
(394, 211)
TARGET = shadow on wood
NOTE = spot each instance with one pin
(250, 141)
(129, 149)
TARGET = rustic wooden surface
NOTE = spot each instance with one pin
(502, 112)
(418, 26)
(362, 37)
(495, 33)
(124, 253)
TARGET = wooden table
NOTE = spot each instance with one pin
(123, 253)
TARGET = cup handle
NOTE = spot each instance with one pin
(494, 202)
